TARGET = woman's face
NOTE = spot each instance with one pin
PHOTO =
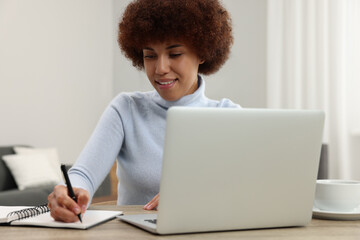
(172, 69)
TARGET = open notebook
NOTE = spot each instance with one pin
(40, 216)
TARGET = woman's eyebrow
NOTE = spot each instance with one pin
(167, 48)
(174, 46)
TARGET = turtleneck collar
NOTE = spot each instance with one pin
(188, 100)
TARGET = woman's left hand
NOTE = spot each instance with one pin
(152, 205)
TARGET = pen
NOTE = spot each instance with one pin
(69, 187)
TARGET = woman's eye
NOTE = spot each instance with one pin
(149, 56)
(174, 55)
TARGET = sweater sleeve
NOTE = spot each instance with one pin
(100, 152)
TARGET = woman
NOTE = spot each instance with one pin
(173, 41)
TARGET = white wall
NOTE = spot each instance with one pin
(55, 71)
(60, 66)
(242, 78)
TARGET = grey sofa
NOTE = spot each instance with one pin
(10, 195)
(323, 172)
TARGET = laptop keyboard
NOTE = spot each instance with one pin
(151, 221)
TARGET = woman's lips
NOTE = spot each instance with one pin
(166, 83)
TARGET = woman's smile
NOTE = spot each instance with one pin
(165, 83)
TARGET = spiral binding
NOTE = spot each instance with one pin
(30, 212)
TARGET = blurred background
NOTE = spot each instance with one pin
(60, 66)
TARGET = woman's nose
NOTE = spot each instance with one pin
(162, 65)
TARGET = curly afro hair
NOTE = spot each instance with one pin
(204, 25)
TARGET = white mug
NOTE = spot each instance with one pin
(337, 195)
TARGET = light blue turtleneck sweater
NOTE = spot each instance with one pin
(132, 130)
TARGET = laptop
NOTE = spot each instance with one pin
(231, 169)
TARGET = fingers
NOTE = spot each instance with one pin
(82, 198)
(65, 209)
(152, 205)
(60, 204)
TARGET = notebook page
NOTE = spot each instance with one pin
(5, 210)
(90, 219)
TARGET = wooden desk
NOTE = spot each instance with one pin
(115, 229)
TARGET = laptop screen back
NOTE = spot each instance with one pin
(226, 169)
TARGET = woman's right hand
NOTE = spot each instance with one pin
(64, 208)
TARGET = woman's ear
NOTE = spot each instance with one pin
(201, 61)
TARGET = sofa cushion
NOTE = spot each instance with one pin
(7, 180)
(31, 170)
(50, 153)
